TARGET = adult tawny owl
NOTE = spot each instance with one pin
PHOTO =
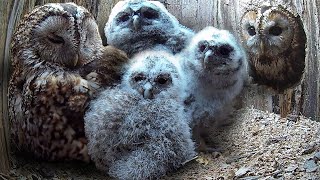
(275, 42)
(59, 63)
(137, 25)
(144, 132)
(215, 65)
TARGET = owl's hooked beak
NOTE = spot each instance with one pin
(262, 46)
(76, 60)
(136, 22)
(147, 91)
(207, 57)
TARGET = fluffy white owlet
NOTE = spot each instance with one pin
(216, 68)
(275, 42)
(55, 48)
(139, 130)
(137, 25)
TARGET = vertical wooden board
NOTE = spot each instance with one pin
(5, 8)
(311, 82)
(175, 8)
(102, 16)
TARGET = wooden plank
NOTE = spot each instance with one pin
(102, 16)
(311, 83)
(5, 7)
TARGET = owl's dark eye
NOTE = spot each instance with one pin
(202, 46)
(55, 39)
(251, 31)
(124, 18)
(163, 79)
(139, 77)
(275, 30)
(224, 50)
(150, 14)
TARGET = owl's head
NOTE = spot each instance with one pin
(138, 17)
(153, 74)
(215, 51)
(57, 33)
(267, 30)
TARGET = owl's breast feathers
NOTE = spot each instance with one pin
(53, 107)
(281, 72)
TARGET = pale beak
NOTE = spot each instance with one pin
(261, 46)
(136, 22)
(75, 60)
(147, 91)
(207, 56)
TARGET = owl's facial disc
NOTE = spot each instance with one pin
(55, 41)
(138, 16)
(150, 87)
(217, 55)
(59, 42)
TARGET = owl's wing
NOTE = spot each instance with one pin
(53, 106)
(107, 69)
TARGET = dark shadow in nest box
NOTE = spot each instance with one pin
(275, 42)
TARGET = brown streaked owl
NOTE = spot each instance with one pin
(59, 64)
(275, 41)
(137, 25)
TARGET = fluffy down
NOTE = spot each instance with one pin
(134, 138)
(215, 67)
(137, 25)
(139, 129)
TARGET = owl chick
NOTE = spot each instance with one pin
(137, 25)
(54, 48)
(144, 132)
(275, 41)
(216, 67)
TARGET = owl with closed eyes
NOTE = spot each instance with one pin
(59, 65)
(275, 41)
(144, 132)
(215, 66)
(137, 25)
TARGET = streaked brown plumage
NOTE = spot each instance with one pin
(55, 49)
(275, 42)
(108, 62)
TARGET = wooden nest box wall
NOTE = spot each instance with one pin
(302, 98)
